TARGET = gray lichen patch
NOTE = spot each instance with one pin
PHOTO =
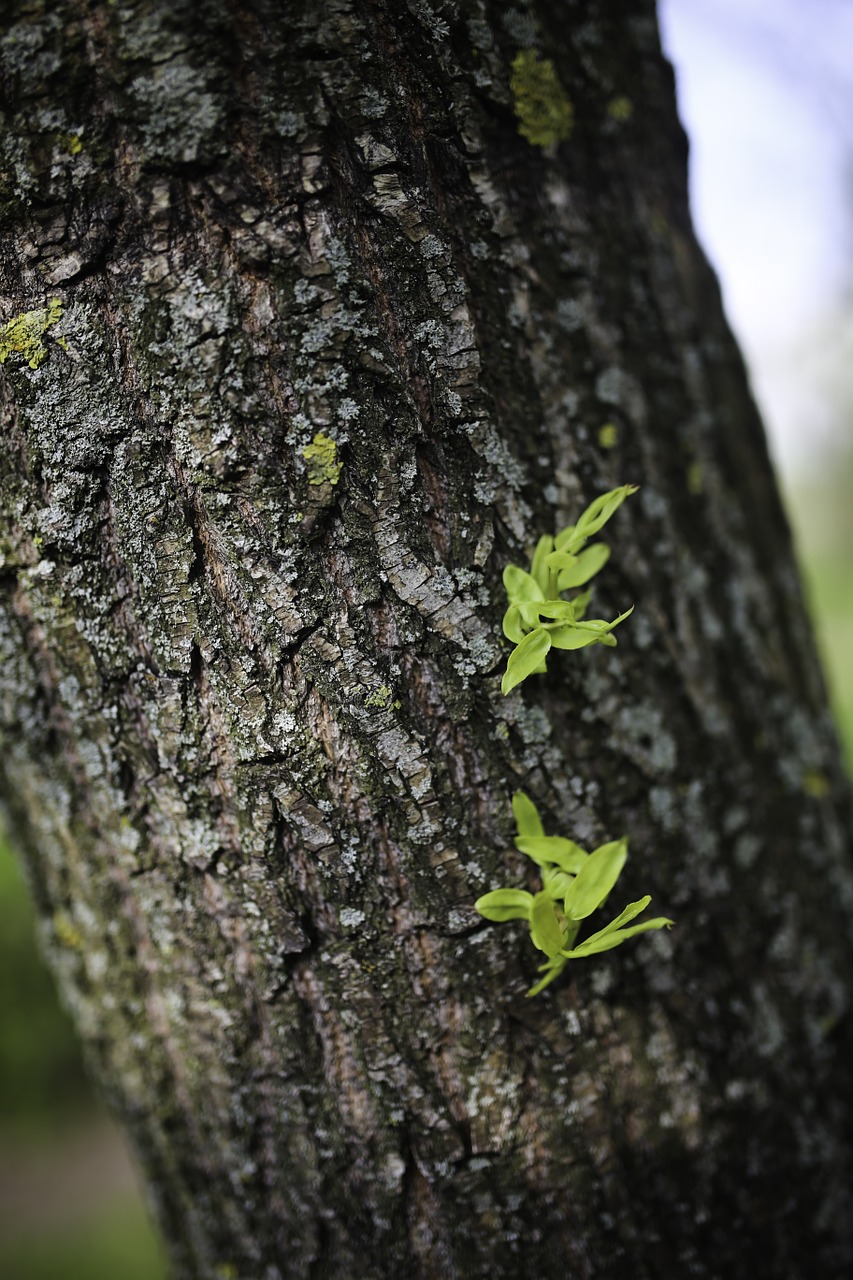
(179, 116)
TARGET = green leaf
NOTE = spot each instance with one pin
(512, 627)
(520, 586)
(607, 941)
(529, 613)
(599, 512)
(539, 568)
(556, 884)
(526, 815)
(574, 536)
(595, 879)
(557, 609)
(591, 631)
(570, 637)
(525, 658)
(580, 604)
(601, 626)
(586, 566)
(505, 904)
(554, 849)
(621, 618)
(564, 537)
(632, 909)
(552, 971)
(571, 928)
(545, 932)
(561, 560)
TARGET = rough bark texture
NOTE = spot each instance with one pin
(254, 745)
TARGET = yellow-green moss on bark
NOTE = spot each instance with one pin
(540, 101)
(321, 455)
(23, 335)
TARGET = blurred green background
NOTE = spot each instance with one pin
(70, 1208)
(822, 514)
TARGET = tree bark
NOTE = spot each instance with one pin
(348, 292)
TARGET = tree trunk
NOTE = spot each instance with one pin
(345, 299)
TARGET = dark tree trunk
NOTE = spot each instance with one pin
(254, 745)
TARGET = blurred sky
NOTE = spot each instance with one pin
(765, 91)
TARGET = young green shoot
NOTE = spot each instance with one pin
(539, 618)
(575, 884)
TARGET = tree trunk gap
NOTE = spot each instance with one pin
(346, 296)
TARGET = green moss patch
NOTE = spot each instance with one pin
(24, 334)
(541, 103)
(321, 455)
